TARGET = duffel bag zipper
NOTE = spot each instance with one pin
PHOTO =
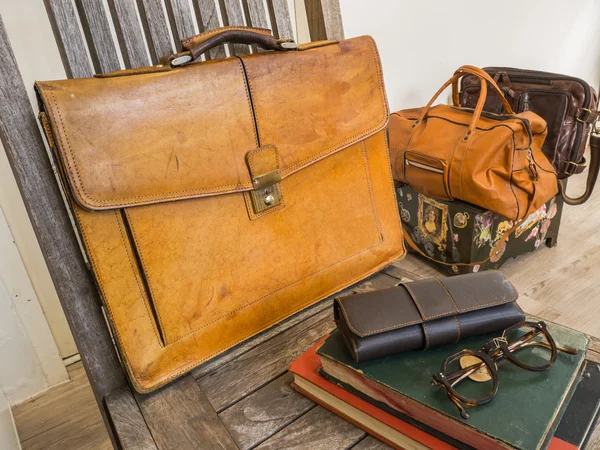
(424, 166)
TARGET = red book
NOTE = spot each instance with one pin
(384, 426)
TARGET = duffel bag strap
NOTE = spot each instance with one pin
(592, 173)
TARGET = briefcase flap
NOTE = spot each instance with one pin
(186, 132)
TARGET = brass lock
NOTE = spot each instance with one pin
(266, 193)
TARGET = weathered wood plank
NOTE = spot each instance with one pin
(238, 350)
(209, 16)
(234, 15)
(242, 376)
(257, 14)
(377, 281)
(70, 40)
(65, 417)
(183, 21)
(398, 270)
(181, 417)
(34, 175)
(320, 429)
(316, 22)
(371, 443)
(156, 25)
(127, 420)
(332, 17)
(130, 32)
(281, 19)
(265, 412)
(324, 19)
(594, 439)
(95, 22)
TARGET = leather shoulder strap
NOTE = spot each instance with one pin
(592, 173)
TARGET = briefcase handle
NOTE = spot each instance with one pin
(196, 46)
(483, 78)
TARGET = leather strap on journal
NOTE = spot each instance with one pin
(592, 173)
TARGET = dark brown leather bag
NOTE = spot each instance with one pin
(567, 104)
(425, 314)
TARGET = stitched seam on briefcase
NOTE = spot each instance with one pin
(191, 366)
(80, 189)
(370, 186)
(153, 198)
(380, 241)
(98, 277)
(143, 272)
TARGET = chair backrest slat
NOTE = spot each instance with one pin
(281, 19)
(332, 17)
(155, 19)
(35, 177)
(208, 12)
(130, 31)
(257, 13)
(95, 21)
(183, 20)
(234, 15)
(71, 43)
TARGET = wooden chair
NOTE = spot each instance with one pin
(191, 412)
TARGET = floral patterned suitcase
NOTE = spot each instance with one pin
(459, 232)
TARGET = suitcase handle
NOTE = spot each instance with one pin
(196, 46)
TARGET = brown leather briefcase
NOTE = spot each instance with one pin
(490, 160)
(567, 104)
(216, 199)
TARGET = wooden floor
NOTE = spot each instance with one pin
(560, 284)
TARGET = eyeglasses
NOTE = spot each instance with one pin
(519, 344)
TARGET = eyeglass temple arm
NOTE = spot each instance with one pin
(461, 409)
(569, 350)
(524, 341)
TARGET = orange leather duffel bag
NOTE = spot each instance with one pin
(493, 161)
(216, 199)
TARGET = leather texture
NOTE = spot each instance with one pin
(567, 104)
(425, 314)
(493, 161)
(160, 168)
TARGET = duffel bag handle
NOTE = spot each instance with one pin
(196, 46)
(484, 78)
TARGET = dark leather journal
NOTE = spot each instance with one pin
(426, 313)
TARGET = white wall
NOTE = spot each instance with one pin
(35, 49)
(29, 358)
(9, 440)
(422, 42)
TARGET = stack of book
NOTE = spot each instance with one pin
(392, 398)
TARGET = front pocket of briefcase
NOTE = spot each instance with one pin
(427, 175)
(203, 260)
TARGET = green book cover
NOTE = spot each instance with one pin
(521, 414)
